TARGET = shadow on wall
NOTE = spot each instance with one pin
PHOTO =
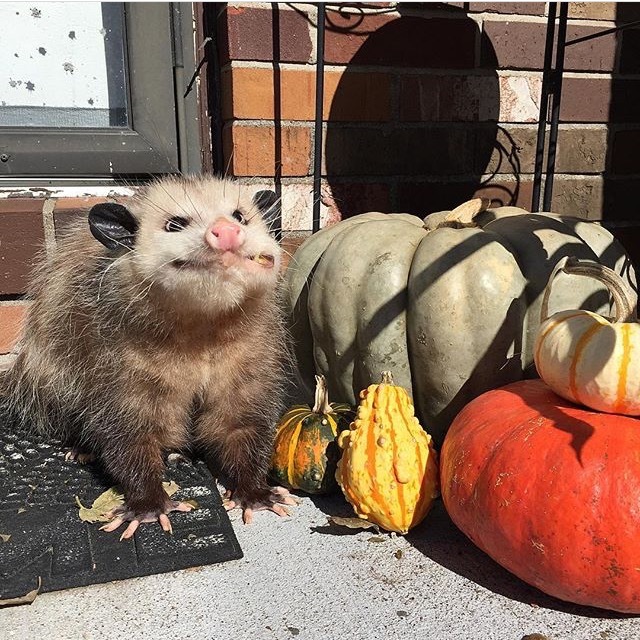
(622, 177)
(414, 121)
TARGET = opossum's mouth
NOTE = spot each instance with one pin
(265, 260)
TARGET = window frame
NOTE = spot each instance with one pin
(164, 126)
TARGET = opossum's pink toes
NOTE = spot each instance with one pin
(113, 525)
(285, 496)
(280, 510)
(130, 530)
(274, 500)
(79, 456)
(165, 523)
(121, 515)
(229, 504)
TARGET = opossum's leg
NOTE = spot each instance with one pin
(137, 466)
(243, 455)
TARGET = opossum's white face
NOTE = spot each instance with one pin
(204, 241)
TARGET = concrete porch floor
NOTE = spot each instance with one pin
(301, 578)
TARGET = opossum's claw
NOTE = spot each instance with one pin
(79, 456)
(123, 514)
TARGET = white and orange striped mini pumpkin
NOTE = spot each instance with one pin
(389, 468)
(586, 358)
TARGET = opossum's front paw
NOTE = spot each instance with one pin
(123, 514)
(270, 499)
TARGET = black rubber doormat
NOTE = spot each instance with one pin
(43, 540)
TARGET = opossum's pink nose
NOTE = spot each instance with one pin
(224, 235)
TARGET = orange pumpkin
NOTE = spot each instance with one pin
(550, 491)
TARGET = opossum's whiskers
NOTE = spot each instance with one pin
(104, 273)
(193, 206)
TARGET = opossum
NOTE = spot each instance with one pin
(156, 328)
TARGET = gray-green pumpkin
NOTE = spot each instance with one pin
(450, 304)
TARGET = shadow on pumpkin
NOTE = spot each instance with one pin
(439, 539)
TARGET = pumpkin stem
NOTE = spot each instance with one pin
(622, 294)
(463, 215)
(387, 378)
(321, 404)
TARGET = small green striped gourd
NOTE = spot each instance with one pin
(305, 452)
(586, 358)
(389, 468)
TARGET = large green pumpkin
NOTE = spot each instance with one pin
(450, 304)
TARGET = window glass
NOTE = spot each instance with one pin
(63, 65)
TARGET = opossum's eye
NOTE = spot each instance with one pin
(177, 223)
(239, 216)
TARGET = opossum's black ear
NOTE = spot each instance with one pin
(113, 225)
(269, 203)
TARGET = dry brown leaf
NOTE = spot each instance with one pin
(352, 523)
(170, 487)
(103, 505)
(377, 539)
(5, 537)
(109, 500)
(28, 598)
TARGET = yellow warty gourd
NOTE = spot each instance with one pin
(389, 467)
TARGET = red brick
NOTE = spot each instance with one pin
(513, 45)
(520, 45)
(407, 41)
(246, 33)
(12, 318)
(516, 191)
(585, 99)
(595, 10)
(438, 98)
(523, 8)
(505, 150)
(69, 209)
(251, 93)
(421, 151)
(253, 150)
(22, 237)
(598, 54)
(581, 197)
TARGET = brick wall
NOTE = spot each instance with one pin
(428, 104)
(28, 226)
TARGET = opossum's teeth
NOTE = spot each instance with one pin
(264, 260)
